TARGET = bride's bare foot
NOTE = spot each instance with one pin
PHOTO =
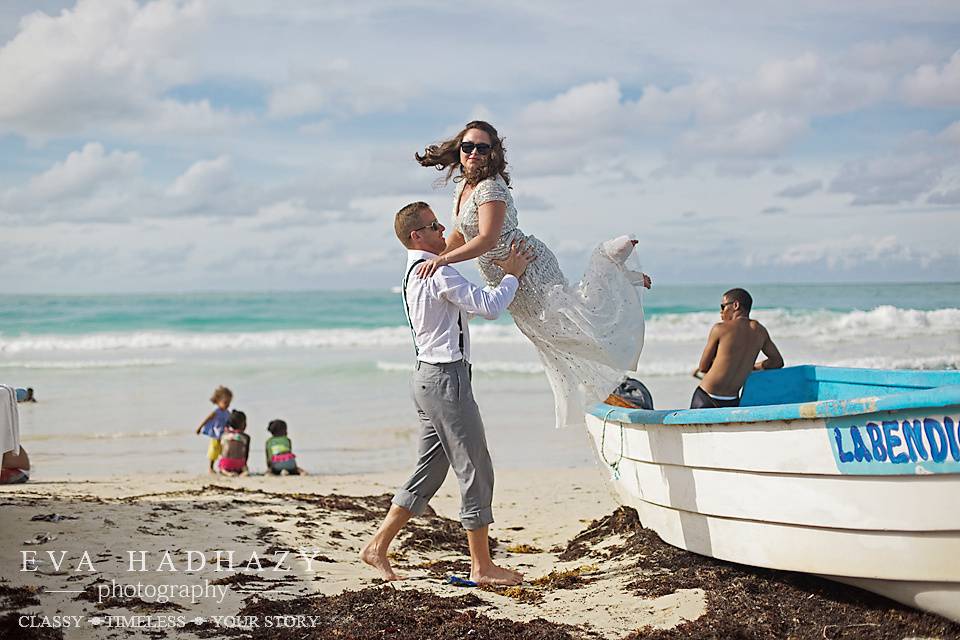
(378, 560)
(495, 575)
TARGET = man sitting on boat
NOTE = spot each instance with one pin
(731, 353)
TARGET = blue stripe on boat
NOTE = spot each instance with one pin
(810, 392)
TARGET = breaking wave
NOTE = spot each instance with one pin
(819, 326)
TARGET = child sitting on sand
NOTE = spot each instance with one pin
(213, 425)
(235, 446)
(280, 457)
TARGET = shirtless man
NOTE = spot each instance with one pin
(731, 353)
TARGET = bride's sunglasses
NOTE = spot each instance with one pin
(483, 148)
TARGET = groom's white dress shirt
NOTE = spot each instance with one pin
(435, 303)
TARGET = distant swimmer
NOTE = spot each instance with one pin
(731, 353)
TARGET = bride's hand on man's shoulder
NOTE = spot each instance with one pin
(647, 281)
(428, 268)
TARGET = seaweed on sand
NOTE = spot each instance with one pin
(10, 628)
(749, 602)
(406, 614)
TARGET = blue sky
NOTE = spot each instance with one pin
(230, 144)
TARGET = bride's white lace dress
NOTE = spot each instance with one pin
(587, 334)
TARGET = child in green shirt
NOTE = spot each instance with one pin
(280, 457)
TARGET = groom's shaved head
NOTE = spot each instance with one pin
(407, 220)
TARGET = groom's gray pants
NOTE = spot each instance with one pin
(452, 436)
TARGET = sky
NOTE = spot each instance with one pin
(192, 145)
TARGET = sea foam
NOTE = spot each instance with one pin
(87, 364)
(819, 326)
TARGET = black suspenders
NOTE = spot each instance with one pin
(406, 308)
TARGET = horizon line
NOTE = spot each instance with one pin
(391, 288)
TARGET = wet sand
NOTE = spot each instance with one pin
(591, 570)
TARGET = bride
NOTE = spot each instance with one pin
(586, 335)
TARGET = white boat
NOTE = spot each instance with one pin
(852, 474)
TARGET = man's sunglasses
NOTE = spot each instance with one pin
(724, 305)
(435, 225)
(482, 148)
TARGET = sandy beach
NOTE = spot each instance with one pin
(205, 556)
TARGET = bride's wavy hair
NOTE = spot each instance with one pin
(446, 156)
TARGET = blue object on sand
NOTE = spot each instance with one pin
(460, 582)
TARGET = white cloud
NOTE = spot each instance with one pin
(950, 197)
(316, 128)
(480, 112)
(888, 179)
(531, 202)
(104, 64)
(93, 185)
(186, 118)
(80, 174)
(933, 86)
(897, 55)
(848, 253)
(203, 179)
(952, 133)
(296, 212)
(163, 260)
(579, 113)
(803, 86)
(339, 89)
(760, 134)
(756, 115)
(297, 99)
(90, 184)
(800, 190)
(209, 188)
(781, 80)
(284, 210)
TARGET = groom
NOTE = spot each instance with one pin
(452, 434)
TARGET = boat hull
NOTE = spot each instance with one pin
(806, 495)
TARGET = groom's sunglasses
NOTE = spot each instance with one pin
(435, 225)
(483, 148)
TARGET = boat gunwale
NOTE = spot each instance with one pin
(915, 399)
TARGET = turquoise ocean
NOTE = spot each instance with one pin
(123, 380)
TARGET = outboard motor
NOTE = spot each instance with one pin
(631, 394)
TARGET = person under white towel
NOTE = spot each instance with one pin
(15, 464)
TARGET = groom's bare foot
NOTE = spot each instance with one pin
(498, 576)
(378, 560)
